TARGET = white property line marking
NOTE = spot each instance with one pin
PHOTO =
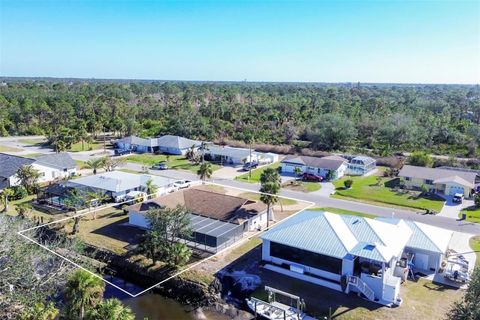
(235, 244)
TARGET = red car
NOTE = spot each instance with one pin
(312, 177)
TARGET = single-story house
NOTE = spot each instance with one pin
(330, 167)
(166, 144)
(216, 219)
(349, 253)
(49, 166)
(118, 184)
(55, 166)
(361, 165)
(443, 181)
(9, 167)
(237, 156)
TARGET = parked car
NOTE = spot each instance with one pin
(182, 184)
(457, 198)
(312, 177)
(160, 166)
(121, 152)
(250, 165)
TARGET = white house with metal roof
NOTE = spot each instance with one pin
(440, 180)
(349, 253)
(118, 184)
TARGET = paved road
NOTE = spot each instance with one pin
(323, 201)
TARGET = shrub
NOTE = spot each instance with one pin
(348, 183)
(420, 159)
(19, 192)
(476, 200)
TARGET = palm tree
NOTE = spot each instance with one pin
(151, 187)
(22, 209)
(205, 171)
(28, 177)
(40, 311)
(99, 198)
(111, 309)
(270, 186)
(83, 292)
(94, 164)
(7, 193)
(179, 255)
(203, 148)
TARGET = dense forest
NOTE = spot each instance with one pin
(381, 119)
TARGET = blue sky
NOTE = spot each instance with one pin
(316, 41)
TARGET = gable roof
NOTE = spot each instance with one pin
(437, 174)
(206, 203)
(338, 235)
(56, 160)
(169, 141)
(329, 162)
(118, 181)
(10, 164)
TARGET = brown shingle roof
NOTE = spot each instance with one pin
(206, 203)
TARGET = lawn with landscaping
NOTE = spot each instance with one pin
(302, 186)
(173, 161)
(385, 190)
(32, 142)
(475, 245)
(472, 214)
(9, 149)
(256, 173)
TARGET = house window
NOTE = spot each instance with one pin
(408, 178)
(428, 181)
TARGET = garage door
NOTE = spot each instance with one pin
(421, 261)
(455, 189)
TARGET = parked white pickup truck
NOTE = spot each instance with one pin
(182, 184)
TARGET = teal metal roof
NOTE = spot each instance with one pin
(311, 231)
(361, 229)
(368, 251)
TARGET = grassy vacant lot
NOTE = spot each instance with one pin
(475, 245)
(367, 189)
(302, 186)
(172, 161)
(255, 177)
(9, 149)
(342, 211)
(86, 146)
(473, 214)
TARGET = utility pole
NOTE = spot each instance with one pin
(104, 141)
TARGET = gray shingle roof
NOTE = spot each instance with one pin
(436, 173)
(56, 160)
(177, 142)
(330, 163)
(10, 164)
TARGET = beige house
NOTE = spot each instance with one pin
(443, 181)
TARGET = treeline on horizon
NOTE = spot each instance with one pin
(380, 120)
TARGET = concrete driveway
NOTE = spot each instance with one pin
(450, 209)
(228, 172)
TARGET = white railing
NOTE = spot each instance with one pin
(362, 287)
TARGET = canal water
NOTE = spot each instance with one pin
(154, 306)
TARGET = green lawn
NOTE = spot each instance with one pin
(473, 214)
(9, 149)
(76, 147)
(475, 245)
(173, 161)
(367, 189)
(31, 155)
(32, 141)
(255, 174)
(342, 211)
(256, 197)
